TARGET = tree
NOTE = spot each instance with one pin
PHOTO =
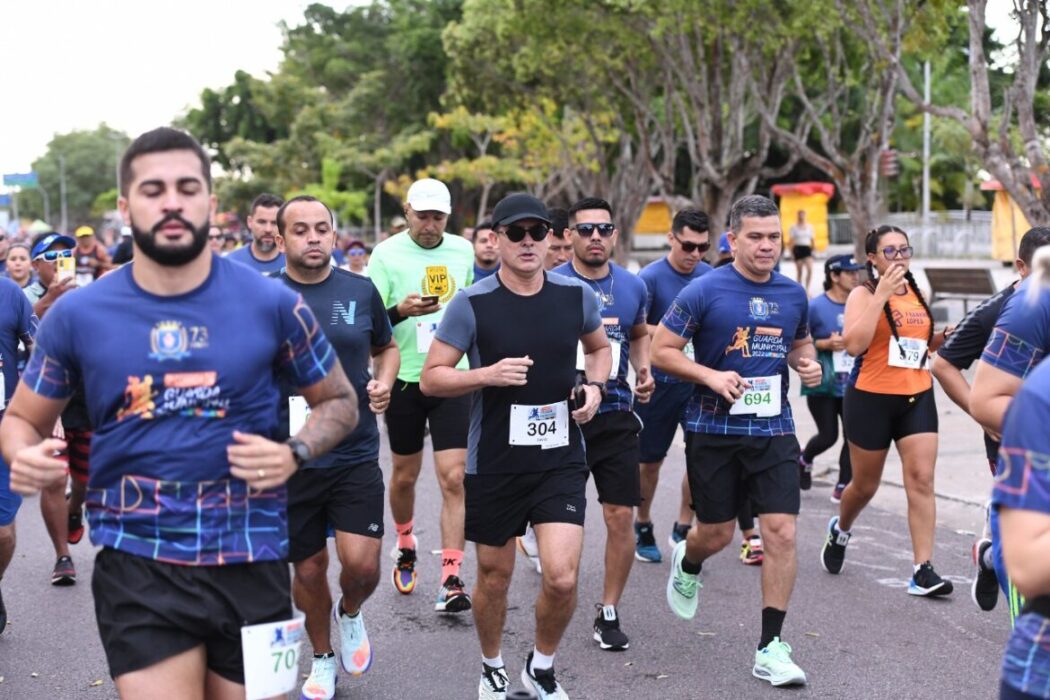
(347, 205)
(90, 162)
(1011, 140)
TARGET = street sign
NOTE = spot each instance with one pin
(20, 180)
(5, 200)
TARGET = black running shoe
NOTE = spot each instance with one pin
(805, 475)
(3, 614)
(607, 630)
(926, 582)
(985, 588)
(64, 574)
(452, 598)
(833, 553)
(542, 682)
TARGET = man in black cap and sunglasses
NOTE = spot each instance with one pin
(519, 328)
(612, 437)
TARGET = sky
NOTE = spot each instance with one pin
(134, 64)
(137, 64)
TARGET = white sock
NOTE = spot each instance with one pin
(752, 538)
(540, 661)
(495, 662)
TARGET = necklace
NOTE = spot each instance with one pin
(605, 298)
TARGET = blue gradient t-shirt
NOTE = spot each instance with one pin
(825, 318)
(664, 283)
(168, 380)
(622, 302)
(1021, 338)
(1022, 482)
(743, 326)
(244, 256)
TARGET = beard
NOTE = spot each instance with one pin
(265, 246)
(169, 256)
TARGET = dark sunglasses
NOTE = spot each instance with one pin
(217, 237)
(53, 255)
(692, 247)
(356, 251)
(587, 230)
(894, 253)
(516, 234)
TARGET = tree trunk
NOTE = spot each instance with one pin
(483, 204)
(377, 200)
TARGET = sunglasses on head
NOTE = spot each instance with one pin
(53, 255)
(692, 247)
(516, 234)
(902, 253)
(587, 230)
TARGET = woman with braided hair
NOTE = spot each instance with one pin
(889, 329)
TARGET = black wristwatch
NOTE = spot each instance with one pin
(601, 388)
(300, 451)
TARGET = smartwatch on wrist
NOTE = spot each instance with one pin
(300, 451)
(601, 388)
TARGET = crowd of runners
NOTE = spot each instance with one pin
(210, 417)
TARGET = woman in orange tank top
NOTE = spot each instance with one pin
(889, 329)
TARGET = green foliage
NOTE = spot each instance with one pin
(347, 205)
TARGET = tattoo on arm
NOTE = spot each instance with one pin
(333, 412)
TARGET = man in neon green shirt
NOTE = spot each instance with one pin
(417, 272)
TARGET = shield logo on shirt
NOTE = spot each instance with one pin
(759, 308)
(438, 281)
(168, 341)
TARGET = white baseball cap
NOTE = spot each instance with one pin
(429, 194)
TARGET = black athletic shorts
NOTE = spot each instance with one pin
(611, 443)
(409, 411)
(801, 252)
(726, 470)
(149, 611)
(499, 506)
(873, 421)
(349, 499)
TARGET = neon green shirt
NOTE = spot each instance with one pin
(400, 266)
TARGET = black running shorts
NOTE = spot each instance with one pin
(410, 410)
(611, 443)
(873, 421)
(349, 499)
(499, 506)
(725, 470)
(149, 611)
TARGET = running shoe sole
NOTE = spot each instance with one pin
(648, 560)
(64, 580)
(795, 679)
(610, 647)
(458, 604)
(942, 588)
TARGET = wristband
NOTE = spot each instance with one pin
(601, 388)
(394, 316)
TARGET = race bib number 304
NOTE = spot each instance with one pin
(761, 400)
(540, 426)
(271, 657)
(908, 353)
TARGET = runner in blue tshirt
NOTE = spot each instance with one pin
(612, 437)
(689, 240)
(261, 253)
(748, 324)
(826, 315)
(344, 488)
(186, 492)
(17, 324)
(1021, 500)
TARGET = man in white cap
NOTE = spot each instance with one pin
(416, 274)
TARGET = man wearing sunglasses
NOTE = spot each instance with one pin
(47, 248)
(612, 437)
(416, 275)
(690, 239)
(520, 328)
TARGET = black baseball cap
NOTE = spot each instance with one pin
(519, 206)
(841, 263)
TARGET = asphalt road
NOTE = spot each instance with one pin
(858, 635)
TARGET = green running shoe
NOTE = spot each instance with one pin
(774, 664)
(682, 587)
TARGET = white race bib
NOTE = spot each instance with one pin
(271, 657)
(540, 426)
(298, 412)
(842, 361)
(761, 400)
(911, 358)
(85, 278)
(614, 346)
(3, 387)
(425, 335)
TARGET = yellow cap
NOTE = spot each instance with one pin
(84, 231)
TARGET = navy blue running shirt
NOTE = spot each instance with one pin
(743, 326)
(1021, 338)
(622, 302)
(17, 323)
(488, 322)
(664, 283)
(348, 308)
(244, 256)
(168, 380)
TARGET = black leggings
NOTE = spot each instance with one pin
(827, 410)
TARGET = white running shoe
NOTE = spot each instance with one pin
(530, 548)
(320, 685)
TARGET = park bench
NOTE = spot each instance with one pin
(964, 283)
